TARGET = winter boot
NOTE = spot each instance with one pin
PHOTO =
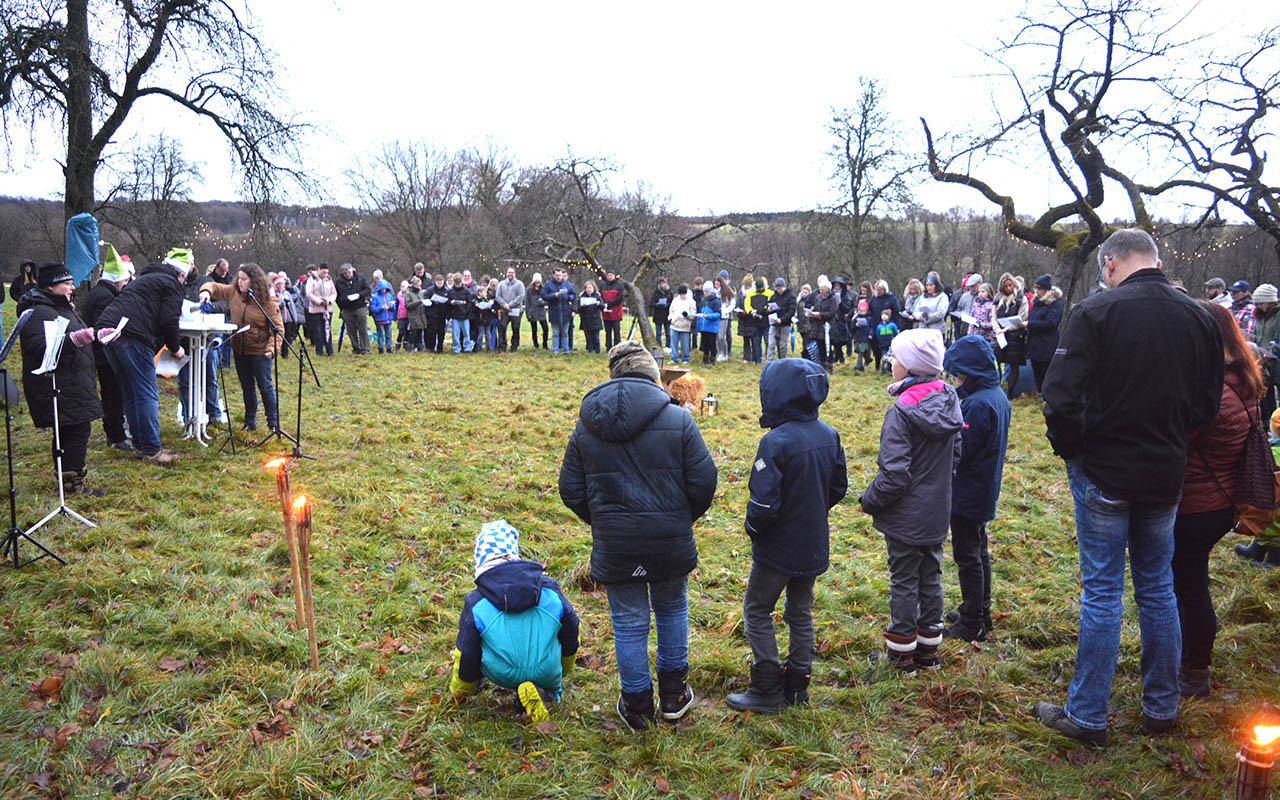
(926, 653)
(73, 483)
(795, 686)
(899, 652)
(532, 701)
(674, 695)
(636, 709)
(1193, 682)
(1271, 558)
(764, 696)
(1254, 551)
(964, 629)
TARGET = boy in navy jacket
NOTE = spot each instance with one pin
(516, 629)
(976, 488)
(798, 475)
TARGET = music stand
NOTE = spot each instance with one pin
(304, 359)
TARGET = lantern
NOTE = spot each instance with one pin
(1256, 760)
(710, 406)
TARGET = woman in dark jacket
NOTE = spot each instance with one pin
(1042, 327)
(822, 310)
(637, 471)
(840, 335)
(1207, 510)
(883, 299)
(25, 281)
(1011, 302)
(78, 404)
(590, 320)
(536, 309)
(660, 310)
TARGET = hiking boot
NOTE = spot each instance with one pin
(674, 695)
(902, 662)
(1056, 718)
(636, 709)
(926, 652)
(966, 630)
(73, 483)
(1159, 727)
(249, 425)
(1193, 682)
(764, 696)
(988, 624)
(532, 701)
(1254, 551)
(123, 444)
(161, 458)
(1272, 557)
(795, 686)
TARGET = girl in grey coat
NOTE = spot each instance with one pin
(910, 497)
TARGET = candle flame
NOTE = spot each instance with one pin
(300, 502)
(276, 463)
(1266, 734)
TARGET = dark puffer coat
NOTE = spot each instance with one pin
(980, 469)
(1042, 326)
(636, 470)
(77, 382)
(798, 473)
(1213, 452)
(153, 303)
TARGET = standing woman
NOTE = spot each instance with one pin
(590, 319)
(709, 323)
(724, 337)
(435, 298)
(254, 349)
(417, 316)
(910, 302)
(1011, 302)
(321, 295)
(1042, 327)
(684, 313)
(1206, 511)
(536, 308)
(78, 406)
(883, 299)
(25, 281)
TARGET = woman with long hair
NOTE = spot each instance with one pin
(724, 339)
(1207, 509)
(1011, 302)
(254, 349)
(536, 310)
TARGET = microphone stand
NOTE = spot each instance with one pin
(304, 359)
(216, 351)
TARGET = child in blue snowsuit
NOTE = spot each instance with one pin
(516, 629)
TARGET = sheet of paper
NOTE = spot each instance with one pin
(167, 366)
(439, 298)
(1010, 322)
(354, 296)
(1001, 341)
(484, 305)
(116, 335)
(514, 313)
(588, 301)
(55, 332)
(968, 319)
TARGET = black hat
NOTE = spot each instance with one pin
(842, 280)
(50, 274)
(1044, 282)
(684, 288)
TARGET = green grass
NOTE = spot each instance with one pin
(415, 452)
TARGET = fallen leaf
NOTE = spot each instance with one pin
(49, 688)
(59, 735)
(545, 727)
(660, 783)
(171, 664)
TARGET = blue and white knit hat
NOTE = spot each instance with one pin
(497, 543)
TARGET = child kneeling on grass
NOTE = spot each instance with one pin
(910, 497)
(798, 475)
(516, 629)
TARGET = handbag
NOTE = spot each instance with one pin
(1257, 479)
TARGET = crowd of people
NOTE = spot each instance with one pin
(1150, 399)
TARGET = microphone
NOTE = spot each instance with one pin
(250, 293)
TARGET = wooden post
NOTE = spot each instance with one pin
(290, 537)
(303, 514)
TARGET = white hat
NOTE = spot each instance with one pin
(1266, 293)
(919, 351)
(708, 287)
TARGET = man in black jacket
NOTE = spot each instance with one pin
(116, 274)
(1138, 366)
(782, 307)
(353, 301)
(660, 310)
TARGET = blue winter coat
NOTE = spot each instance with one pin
(382, 304)
(709, 319)
(986, 411)
(637, 471)
(515, 627)
(798, 473)
(561, 299)
(878, 303)
(862, 328)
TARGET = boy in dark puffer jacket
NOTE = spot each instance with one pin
(516, 629)
(798, 475)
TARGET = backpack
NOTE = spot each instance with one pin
(1257, 478)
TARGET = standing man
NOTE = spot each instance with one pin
(321, 294)
(560, 297)
(963, 303)
(1266, 331)
(1215, 289)
(782, 307)
(117, 271)
(1138, 367)
(510, 298)
(660, 312)
(353, 298)
(1242, 308)
(613, 293)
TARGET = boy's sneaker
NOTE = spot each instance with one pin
(532, 701)
(636, 709)
(968, 631)
(1056, 718)
(675, 696)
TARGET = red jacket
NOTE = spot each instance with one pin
(613, 293)
(1209, 482)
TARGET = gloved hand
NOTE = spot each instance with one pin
(82, 337)
(459, 688)
(566, 664)
(206, 307)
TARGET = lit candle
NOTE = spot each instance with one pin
(302, 514)
(281, 466)
(1256, 760)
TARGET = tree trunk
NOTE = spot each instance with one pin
(81, 162)
(647, 334)
(1072, 270)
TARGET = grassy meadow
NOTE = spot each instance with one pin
(161, 662)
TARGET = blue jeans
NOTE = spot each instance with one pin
(135, 366)
(662, 330)
(486, 336)
(560, 337)
(629, 605)
(461, 330)
(384, 336)
(757, 345)
(257, 370)
(1105, 528)
(680, 350)
(211, 406)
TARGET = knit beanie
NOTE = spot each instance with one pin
(630, 357)
(919, 351)
(497, 543)
(708, 287)
(1266, 293)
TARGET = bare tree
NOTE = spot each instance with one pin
(84, 65)
(1062, 112)
(151, 202)
(412, 188)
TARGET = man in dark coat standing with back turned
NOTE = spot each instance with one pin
(1138, 366)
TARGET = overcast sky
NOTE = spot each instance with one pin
(720, 106)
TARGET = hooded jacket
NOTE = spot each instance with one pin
(636, 470)
(709, 314)
(910, 497)
(986, 411)
(77, 381)
(754, 317)
(415, 308)
(798, 473)
(321, 294)
(681, 305)
(382, 303)
(1042, 326)
(614, 295)
(516, 626)
(783, 305)
(153, 303)
(658, 309)
(825, 307)
(1137, 369)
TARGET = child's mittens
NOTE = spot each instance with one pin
(566, 664)
(459, 688)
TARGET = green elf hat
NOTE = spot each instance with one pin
(115, 268)
(181, 259)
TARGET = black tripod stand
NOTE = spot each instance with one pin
(216, 351)
(304, 361)
(15, 534)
